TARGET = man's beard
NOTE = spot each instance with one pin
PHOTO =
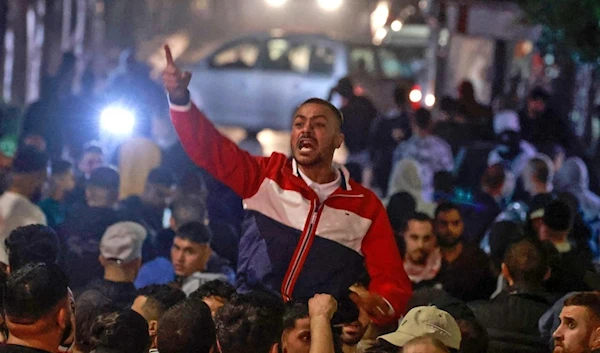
(310, 163)
(419, 258)
(66, 334)
(446, 242)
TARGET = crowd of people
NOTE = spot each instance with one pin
(465, 229)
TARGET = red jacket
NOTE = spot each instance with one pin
(293, 243)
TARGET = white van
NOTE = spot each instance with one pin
(257, 82)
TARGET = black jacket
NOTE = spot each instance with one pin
(102, 293)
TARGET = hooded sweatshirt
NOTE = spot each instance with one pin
(407, 176)
(573, 178)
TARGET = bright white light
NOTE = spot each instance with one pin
(396, 25)
(275, 3)
(117, 120)
(415, 95)
(429, 100)
(379, 16)
(330, 5)
(379, 36)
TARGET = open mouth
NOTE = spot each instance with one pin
(306, 145)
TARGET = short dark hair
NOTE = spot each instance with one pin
(250, 323)
(195, 232)
(338, 114)
(445, 207)
(539, 93)
(215, 288)
(160, 298)
(192, 183)
(93, 147)
(85, 319)
(294, 312)
(32, 244)
(558, 216)
(423, 118)
(187, 209)
(399, 208)
(29, 160)
(124, 332)
(527, 262)
(34, 291)
(186, 327)
(105, 178)
(419, 217)
(540, 169)
(590, 300)
(161, 176)
(494, 176)
(61, 167)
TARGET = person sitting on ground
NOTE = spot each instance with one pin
(193, 260)
(32, 244)
(121, 257)
(17, 204)
(152, 302)
(62, 181)
(188, 327)
(124, 331)
(513, 315)
(422, 256)
(37, 309)
(215, 294)
(579, 329)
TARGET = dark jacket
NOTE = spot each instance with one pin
(102, 293)
(512, 320)
(549, 128)
(359, 114)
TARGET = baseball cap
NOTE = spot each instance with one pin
(122, 242)
(426, 320)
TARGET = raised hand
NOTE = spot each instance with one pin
(176, 82)
(322, 305)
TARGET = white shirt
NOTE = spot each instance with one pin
(16, 211)
(322, 190)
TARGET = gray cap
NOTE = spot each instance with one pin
(122, 242)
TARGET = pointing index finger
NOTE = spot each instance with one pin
(169, 55)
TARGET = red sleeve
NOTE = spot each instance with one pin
(385, 266)
(218, 155)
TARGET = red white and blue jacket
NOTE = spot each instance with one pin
(293, 243)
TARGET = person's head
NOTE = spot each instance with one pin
(191, 184)
(425, 344)
(466, 91)
(501, 235)
(191, 249)
(354, 332)
(187, 209)
(296, 329)
(158, 188)
(400, 96)
(399, 208)
(537, 102)
(85, 319)
(422, 122)
(474, 337)
(345, 88)
(538, 175)
(556, 222)
(102, 188)
(35, 140)
(29, 172)
(186, 327)
(37, 307)
(120, 332)
(121, 251)
(92, 158)
(579, 324)
(426, 320)
(448, 224)
(525, 265)
(31, 244)
(316, 133)
(493, 179)
(63, 177)
(250, 323)
(419, 239)
(215, 294)
(152, 302)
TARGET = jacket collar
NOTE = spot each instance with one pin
(344, 174)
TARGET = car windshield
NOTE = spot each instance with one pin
(386, 62)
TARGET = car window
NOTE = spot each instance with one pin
(322, 60)
(283, 55)
(400, 63)
(362, 61)
(241, 56)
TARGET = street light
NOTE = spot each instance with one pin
(275, 3)
(330, 5)
(117, 120)
(415, 95)
(430, 100)
(396, 26)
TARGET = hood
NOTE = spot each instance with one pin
(407, 177)
(573, 176)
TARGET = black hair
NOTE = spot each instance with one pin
(558, 216)
(215, 288)
(123, 332)
(195, 232)
(192, 183)
(539, 93)
(61, 167)
(29, 160)
(540, 169)
(294, 312)
(401, 206)
(34, 291)
(161, 176)
(423, 118)
(527, 262)
(187, 209)
(445, 207)
(474, 337)
(186, 327)
(85, 319)
(382, 346)
(590, 300)
(250, 323)
(105, 178)
(338, 114)
(93, 147)
(417, 216)
(160, 298)
(32, 244)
